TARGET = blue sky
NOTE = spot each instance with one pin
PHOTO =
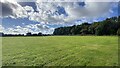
(23, 17)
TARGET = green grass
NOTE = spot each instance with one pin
(60, 51)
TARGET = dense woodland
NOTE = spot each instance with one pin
(110, 26)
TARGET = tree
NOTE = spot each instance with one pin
(84, 32)
(29, 34)
(118, 32)
(106, 27)
(98, 30)
(40, 34)
(92, 28)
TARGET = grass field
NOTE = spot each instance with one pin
(60, 51)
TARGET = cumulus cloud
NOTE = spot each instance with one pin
(33, 28)
(56, 13)
(77, 0)
(52, 12)
(28, 9)
(49, 11)
(1, 28)
(12, 9)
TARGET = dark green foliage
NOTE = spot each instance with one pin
(29, 34)
(93, 27)
(118, 32)
(107, 27)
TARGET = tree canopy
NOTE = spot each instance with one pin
(110, 26)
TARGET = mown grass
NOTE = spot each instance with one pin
(60, 51)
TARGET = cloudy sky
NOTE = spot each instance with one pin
(21, 16)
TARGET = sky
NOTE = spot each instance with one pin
(22, 16)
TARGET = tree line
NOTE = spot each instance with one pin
(110, 26)
(27, 34)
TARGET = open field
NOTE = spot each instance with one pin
(60, 51)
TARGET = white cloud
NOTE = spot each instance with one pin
(28, 9)
(77, 0)
(12, 9)
(102, 0)
(49, 13)
(33, 28)
(1, 28)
